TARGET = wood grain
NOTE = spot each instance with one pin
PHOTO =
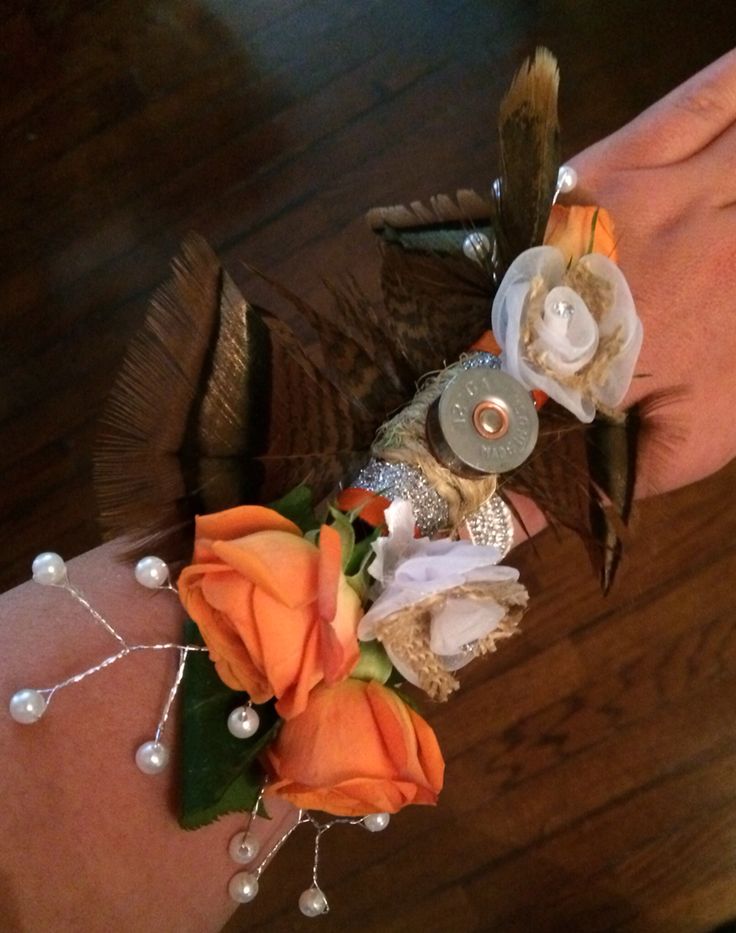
(592, 762)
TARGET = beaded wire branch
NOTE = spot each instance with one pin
(152, 757)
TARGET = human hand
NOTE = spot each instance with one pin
(668, 179)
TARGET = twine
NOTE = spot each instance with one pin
(403, 439)
(597, 294)
(407, 632)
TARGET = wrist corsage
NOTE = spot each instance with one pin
(336, 505)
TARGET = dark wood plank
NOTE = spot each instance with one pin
(591, 773)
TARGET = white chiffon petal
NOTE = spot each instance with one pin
(420, 568)
(568, 346)
(462, 621)
(571, 342)
(403, 668)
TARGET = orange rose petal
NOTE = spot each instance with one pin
(294, 699)
(241, 521)
(198, 570)
(356, 797)
(392, 723)
(250, 631)
(284, 633)
(204, 596)
(330, 570)
(336, 718)
(203, 553)
(340, 649)
(429, 753)
(283, 565)
(570, 228)
(232, 595)
(340, 754)
(605, 236)
(338, 611)
(410, 739)
(226, 649)
(487, 343)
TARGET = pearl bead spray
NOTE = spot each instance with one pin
(28, 705)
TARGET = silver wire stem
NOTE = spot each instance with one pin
(112, 659)
(183, 654)
(83, 601)
(270, 855)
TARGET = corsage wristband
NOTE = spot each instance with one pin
(347, 546)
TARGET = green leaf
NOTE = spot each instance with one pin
(219, 773)
(374, 663)
(395, 680)
(298, 507)
(362, 554)
(409, 700)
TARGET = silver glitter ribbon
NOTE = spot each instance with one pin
(490, 524)
(401, 481)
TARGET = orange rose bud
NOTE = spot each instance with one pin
(487, 343)
(275, 611)
(357, 748)
(370, 506)
(570, 230)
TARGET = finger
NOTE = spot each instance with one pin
(682, 123)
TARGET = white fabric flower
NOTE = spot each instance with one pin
(566, 334)
(409, 569)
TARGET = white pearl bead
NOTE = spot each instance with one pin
(27, 706)
(243, 722)
(49, 569)
(243, 887)
(152, 757)
(244, 848)
(375, 822)
(312, 902)
(476, 246)
(152, 572)
(567, 179)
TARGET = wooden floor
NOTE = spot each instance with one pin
(591, 780)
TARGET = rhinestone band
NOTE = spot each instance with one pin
(492, 524)
(400, 481)
(481, 358)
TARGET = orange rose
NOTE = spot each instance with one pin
(570, 228)
(357, 748)
(275, 611)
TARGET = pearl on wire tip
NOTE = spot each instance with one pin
(312, 902)
(152, 757)
(376, 822)
(152, 572)
(243, 722)
(243, 848)
(243, 887)
(49, 569)
(27, 706)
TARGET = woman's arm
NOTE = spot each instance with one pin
(88, 842)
